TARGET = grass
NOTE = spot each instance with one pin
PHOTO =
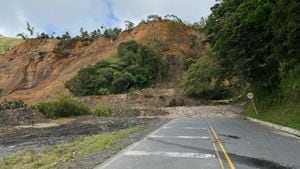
(103, 110)
(63, 106)
(52, 156)
(286, 114)
(7, 43)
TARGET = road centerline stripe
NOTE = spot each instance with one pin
(230, 163)
(216, 149)
(170, 154)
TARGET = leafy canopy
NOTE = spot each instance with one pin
(135, 66)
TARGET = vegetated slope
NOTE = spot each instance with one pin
(37, 70)
(8, 43)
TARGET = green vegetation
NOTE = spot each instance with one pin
(135, 66)
(256, 40)
(51, 157)
(256, 43)
(103, 110)
(63, 106)
(201, 80)
(112, 34)
(6, 44)
(12, 104)
(280, 106)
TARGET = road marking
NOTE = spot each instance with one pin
(216, 150)
(170, 154)
(118, 155)
(230, 163)
(183, 137)
(187, 128)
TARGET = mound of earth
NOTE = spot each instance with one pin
(21, 117)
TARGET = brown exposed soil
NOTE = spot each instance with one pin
(36, 70)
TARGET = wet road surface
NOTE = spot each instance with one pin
(211, 143)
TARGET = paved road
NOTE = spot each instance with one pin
(212, 143)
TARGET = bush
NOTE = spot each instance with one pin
(290, 85)
(201, 79)
(14, 104)
(102, 110)
(136, 66)
(176, 102)
(63, 106)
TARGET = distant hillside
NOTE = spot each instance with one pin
(38, 68)
(7, 43)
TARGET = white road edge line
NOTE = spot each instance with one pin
(122, 152)
(170, 154)
(182, 137)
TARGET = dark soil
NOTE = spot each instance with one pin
(20, 116)
(24, 138)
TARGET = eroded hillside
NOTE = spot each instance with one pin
(38, 69)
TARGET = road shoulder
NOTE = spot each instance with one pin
(286, 130)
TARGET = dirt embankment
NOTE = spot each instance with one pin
(38, 69)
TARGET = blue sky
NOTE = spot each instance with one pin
(70, 15)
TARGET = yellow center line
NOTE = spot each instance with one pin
(230, 163)
(216, 150)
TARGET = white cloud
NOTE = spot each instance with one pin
(188, 10)
(63, 15)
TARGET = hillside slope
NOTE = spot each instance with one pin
(34, 72)
(7, 43)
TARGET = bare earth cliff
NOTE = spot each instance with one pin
(34, 70)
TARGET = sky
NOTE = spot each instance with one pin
(70, 15)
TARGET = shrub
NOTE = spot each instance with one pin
(63, 106)
(13, 104)
(290, 85)
(102, 109)
(123, 81)
(136, 66)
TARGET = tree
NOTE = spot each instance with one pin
(84, 33)
(129, 25)
(256, 40)
(30, 28)
(153, 18)
(21, 35)
(96, 34)
(123, 81)
(43, 36)
(199, 79)
(112, 33)
(66, 36)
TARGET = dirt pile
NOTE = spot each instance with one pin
(20, 117)
(38, 69)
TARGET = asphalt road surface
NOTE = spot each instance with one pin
(212, 143)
